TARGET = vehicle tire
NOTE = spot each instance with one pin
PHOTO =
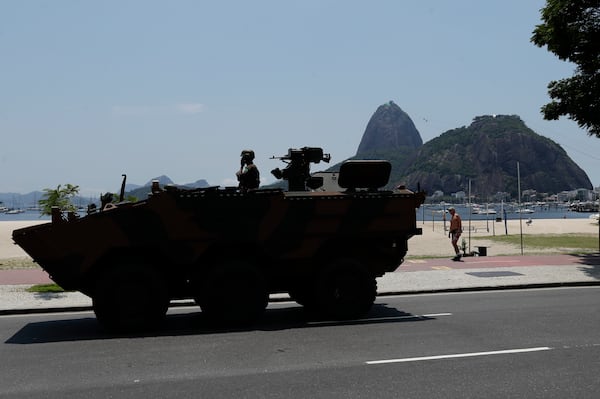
(345, 290)
(233, 292)
(303, 293)
(130, 297)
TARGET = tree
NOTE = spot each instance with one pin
(60, 197)
(571, 30)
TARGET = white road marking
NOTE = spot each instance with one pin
(459, 355)
(436, 314)
(412, 316)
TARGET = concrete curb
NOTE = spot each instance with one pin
(417, 278)
(284, 298)
(494, 288)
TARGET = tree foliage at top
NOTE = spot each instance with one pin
(571, 30)
(60, 197)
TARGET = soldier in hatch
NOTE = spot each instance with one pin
(248, 175)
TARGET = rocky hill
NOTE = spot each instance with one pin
(487, 152)
(142, 192)
(392, 135)
(390, 128)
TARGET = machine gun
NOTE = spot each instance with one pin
(297, 173)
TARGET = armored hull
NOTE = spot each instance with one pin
(228, 249)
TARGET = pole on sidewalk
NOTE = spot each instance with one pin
(487, 218)
(520, 209)
(470, 212)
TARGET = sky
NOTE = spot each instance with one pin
(93, 90)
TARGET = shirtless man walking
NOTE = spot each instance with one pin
(455, 231)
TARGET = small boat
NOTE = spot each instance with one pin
(14, 211)
(487, 212)
(525, 210)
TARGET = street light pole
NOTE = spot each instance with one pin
(470, 212)
(520, 209)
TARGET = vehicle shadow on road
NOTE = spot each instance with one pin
(193, 323)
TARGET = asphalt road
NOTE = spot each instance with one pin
(523, 344)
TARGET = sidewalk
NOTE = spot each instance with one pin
(414, 276)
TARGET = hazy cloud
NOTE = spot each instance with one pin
(143, 110)
(192, 108)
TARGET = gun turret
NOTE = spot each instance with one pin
(297, 173)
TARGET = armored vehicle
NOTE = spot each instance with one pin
(229, 249)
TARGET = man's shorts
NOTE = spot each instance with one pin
(455, 236)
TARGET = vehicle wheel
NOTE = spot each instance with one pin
(345, 290)
(233, 292)
(303, 293)
(130, 297)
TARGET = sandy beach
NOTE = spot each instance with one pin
(8, 249)
(434, 242)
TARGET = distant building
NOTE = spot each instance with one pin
(583, 194)
(529, 195)
(501, 196)
(460, 195)
(564, 196)
(437, 194)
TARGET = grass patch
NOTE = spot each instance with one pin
(46, 288)
(586, 242)
(18, 263)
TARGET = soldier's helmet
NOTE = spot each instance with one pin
(248, 154)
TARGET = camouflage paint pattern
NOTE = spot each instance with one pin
(287, 234)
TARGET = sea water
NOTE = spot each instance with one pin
(436, 212)
(427, 212)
